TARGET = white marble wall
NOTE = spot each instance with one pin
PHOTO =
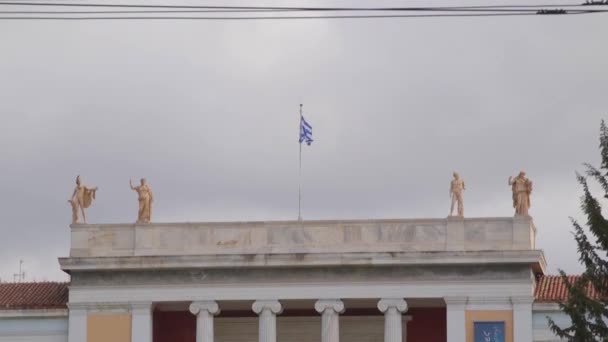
(475, 234)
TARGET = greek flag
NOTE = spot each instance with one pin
(305, 131)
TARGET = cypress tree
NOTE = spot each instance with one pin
(587, 302)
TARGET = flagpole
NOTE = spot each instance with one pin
(300, 170)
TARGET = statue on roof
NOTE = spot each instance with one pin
(456, 191)
(145, 198)
(82, 198)
(522, 188)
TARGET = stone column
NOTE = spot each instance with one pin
(204, 312)
(392, 309)
(456, 323)
(141, 322)
(330, 309)
(522, 319)
(267, 310)
(77, 323)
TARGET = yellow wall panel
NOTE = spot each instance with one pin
(473, 316)
(109, 328)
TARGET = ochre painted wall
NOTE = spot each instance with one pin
(427, 325)
(473, 316)
(106, 328)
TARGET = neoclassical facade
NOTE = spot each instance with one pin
(415, 280)
(327, 278)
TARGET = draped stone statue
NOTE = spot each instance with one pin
(145, 197)
(82, 198)
(522, 188)
(456, 192)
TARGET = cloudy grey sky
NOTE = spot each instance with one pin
(208, 112)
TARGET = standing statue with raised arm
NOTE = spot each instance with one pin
(456, 192)
(82, 198)
(522, 188)
(145, 197)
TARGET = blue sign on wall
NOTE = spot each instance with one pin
(489, 331)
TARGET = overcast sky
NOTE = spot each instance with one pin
(208, 112)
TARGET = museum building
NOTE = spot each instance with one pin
(417, 280)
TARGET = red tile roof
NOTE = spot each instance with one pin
(551, 289)
(46, 295)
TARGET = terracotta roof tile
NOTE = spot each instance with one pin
(551, 289)
(45, 295)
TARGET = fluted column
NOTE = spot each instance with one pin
(268, 311)
(392, 309)
(204, 312)
(330, 310)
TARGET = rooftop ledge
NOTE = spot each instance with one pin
(304, 243)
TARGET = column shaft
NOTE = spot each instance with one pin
(204, 327)
(268, 326)
(392, 326)
(330, 327)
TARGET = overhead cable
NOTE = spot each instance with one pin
(291, 8)
(166, 12)
(285, 17)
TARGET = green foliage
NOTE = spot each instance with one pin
(589, 314)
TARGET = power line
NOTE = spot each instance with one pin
(290, 17)
(411, 8)
(421, 9)
(156, 11)
(144, 12)
(536, 6)
(151, 6)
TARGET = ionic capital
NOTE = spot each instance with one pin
(387, 303)
(209, 306)
(335, 305)
(273, 306)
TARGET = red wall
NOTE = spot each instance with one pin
(427, 325)
(174, 326)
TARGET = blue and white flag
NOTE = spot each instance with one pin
(305, 131)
